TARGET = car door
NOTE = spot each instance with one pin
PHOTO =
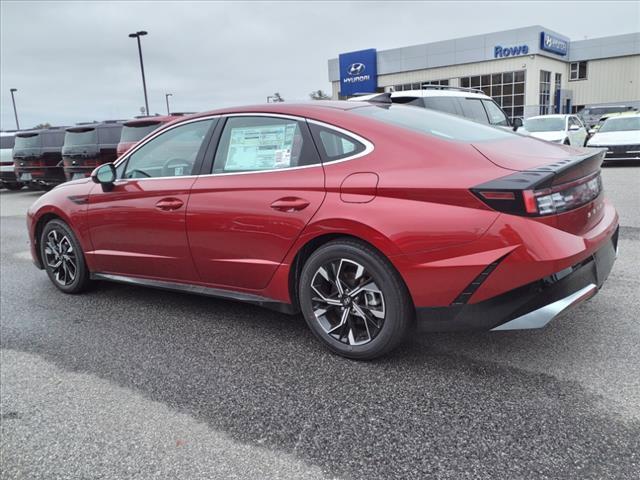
(579, 133)
(138, 227)
(266, 183)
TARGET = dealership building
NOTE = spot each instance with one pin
(528, 71)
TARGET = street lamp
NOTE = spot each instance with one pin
(15, 112)
(137, 36)
(166, 97)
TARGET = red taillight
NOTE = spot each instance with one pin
(498, 195)
(546, 201)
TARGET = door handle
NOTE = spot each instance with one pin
(290, 204)
(167, 204)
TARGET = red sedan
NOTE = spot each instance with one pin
(366, 218)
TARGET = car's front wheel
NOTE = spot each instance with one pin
(354, 300)
(62, 257)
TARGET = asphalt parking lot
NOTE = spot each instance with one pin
(126, 382)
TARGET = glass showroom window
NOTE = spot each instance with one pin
(507, 89)
(578, 71)
(545, 92)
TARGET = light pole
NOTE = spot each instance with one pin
(137, 36)
(166, 97)
(15, 112)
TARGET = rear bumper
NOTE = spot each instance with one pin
(531, 306)
(7, 175)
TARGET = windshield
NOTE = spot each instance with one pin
(133, 133)
(604, 110)
(434, 123)
(551, 124)
(27, 140)
(83, 136)
(621, 124)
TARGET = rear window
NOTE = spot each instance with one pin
(434, 123)
(81, 136)
(134, 133)
(548, 124)
(27, 140)
(621, 124)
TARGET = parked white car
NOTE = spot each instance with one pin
(621, 137)
(566, 129)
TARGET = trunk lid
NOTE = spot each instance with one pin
(554, 184)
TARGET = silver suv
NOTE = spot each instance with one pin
(465, 102)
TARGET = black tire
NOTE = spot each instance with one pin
(65, 278)
(567, 141)
(14, 186)
(389, 298)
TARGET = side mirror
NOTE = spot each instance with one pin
(105, 175)
(517, 123)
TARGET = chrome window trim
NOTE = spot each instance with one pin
(369, 147)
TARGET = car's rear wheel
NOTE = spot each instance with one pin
(14, 186)
(354, 300)
(63, 258)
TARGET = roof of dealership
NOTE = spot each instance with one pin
(479, 48)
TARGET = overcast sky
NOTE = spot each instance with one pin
(73, 61)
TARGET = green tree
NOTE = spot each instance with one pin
(42, 125)
(319, 95)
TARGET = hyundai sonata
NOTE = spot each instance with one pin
(367, 218)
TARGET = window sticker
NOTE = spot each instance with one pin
(260, 148)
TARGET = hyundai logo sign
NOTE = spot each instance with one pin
(553, 44)
(358, 72)
(501, 52)
(356, 69)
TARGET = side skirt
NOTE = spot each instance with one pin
(200, 290)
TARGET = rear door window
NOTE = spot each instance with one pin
(443, 104)
(253, 144)
(472, 109)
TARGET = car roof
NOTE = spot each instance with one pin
(438, 93)
(152, 119)
(555, 115)
(621, 117)
(283, 108)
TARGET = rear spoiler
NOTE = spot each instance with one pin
(563, 171)
(374, 97)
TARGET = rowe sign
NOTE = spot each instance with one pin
(501, 52)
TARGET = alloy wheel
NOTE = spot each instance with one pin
(347, 303)
(60, 257)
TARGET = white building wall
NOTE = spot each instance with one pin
(608, 80)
